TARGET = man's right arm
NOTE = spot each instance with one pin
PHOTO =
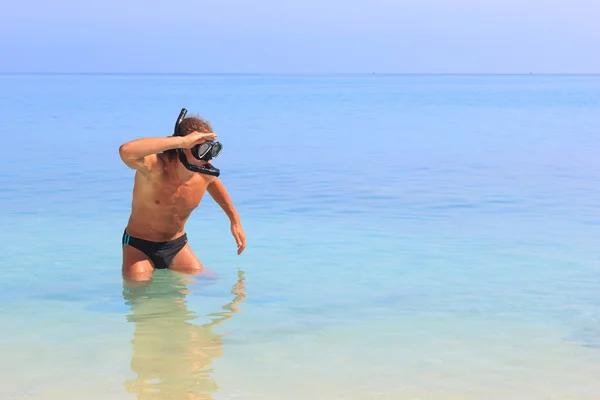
(141, 154)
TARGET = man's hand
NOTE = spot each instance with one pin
(240, 238)
(195, 138)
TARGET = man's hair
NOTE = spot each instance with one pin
(187, 126)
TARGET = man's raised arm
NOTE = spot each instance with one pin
(140, 154)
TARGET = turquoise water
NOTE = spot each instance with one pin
(409, 237)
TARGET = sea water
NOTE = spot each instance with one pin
(425, 237)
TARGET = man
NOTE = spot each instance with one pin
(166, 191)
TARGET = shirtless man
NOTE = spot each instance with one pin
(165, 193)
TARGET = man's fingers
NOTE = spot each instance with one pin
(240, 238)
(241, 242)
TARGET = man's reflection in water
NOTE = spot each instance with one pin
(171, 355)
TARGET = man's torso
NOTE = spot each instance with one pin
(162, 202)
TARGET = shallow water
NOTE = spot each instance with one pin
(409, 237)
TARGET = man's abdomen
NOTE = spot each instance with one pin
(159, 226)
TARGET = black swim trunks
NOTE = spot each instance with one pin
(160, 253)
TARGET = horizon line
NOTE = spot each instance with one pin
(308, 73)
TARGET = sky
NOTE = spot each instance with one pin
(308, 36)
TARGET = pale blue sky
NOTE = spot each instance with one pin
(309, 36)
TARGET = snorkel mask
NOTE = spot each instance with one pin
(205, 151)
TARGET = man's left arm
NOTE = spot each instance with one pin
(218, 192)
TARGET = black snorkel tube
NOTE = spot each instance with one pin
(205, 169)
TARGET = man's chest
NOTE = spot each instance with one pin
(179, 197)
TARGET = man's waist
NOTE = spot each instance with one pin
(152, 234)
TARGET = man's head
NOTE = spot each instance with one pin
(187, 126)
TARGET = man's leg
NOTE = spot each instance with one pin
(136, 266)
(187, 262)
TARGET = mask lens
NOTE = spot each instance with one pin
(216, 149)
(200, 150)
